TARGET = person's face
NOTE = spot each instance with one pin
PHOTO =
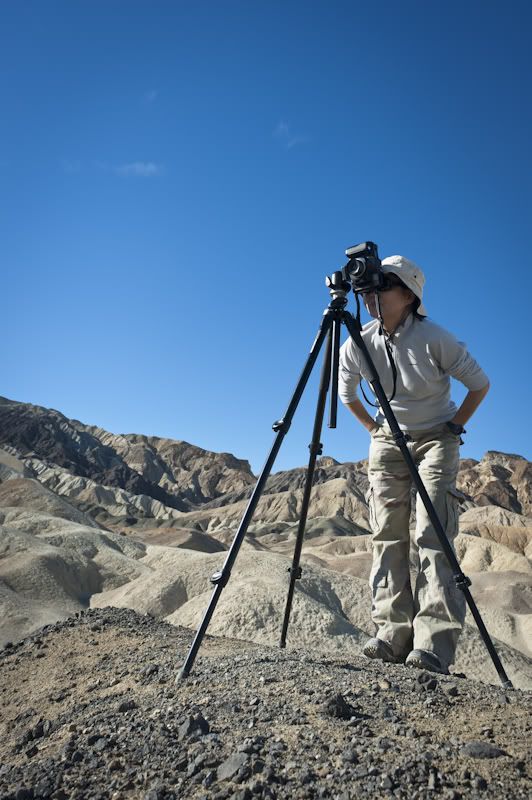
(393, 301)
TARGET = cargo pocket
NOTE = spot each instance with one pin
(370, 500)
(379, 592)
(453, 498)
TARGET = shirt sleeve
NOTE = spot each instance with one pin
(455, 360)
(348, 373)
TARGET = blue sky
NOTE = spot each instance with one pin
(178, 178)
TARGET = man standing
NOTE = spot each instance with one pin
(417, 625)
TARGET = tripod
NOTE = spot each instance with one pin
(330, 328)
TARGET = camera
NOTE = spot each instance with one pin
(363, 270)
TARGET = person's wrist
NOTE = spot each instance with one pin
(456, 428)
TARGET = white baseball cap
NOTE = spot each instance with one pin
(410, 274)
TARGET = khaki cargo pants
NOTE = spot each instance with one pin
(430, 614)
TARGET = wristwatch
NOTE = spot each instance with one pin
(455, 428)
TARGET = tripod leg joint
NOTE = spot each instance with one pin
(316, 448)
(462, 581)
(281, 425)
(298, 572)
(220, 578)
(401, 437)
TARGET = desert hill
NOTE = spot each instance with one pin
(83, 524)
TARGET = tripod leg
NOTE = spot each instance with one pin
(220, 579)
(333, 410)
(461, 580)
(315, 448)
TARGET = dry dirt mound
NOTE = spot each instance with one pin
(50, 568)
(29, 494)
(178, 537)
(330, 609)
(105, 719)
(480, 555)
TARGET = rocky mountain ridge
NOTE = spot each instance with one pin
(177, 474)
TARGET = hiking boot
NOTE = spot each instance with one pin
(378, 648)
(425, 659)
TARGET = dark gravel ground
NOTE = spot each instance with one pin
(91, 710)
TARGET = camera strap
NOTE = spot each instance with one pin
(388, 352)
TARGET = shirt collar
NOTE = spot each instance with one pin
(402, 328)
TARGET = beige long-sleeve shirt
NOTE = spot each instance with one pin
(426, 356)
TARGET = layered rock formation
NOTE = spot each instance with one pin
(176, 474)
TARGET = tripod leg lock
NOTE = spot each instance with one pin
(316, 449)
(281, 425)
(298, 572)
(462, 581)
(220, 578)
(401, 437)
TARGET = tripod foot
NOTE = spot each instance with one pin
(181, 676)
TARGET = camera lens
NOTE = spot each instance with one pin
(357, 268)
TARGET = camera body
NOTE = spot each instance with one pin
(363, 270)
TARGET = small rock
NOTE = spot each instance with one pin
(433, 780)
(425, 682)
(482, 750)
(209, 779)
(242, 794)
(349, 756)
(386, 782)
(231, 766)
(193, 726)
(101, 744)
(384, 744)
(127, 705)
(339, 708)
(23, 793)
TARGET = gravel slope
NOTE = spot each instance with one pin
(91, 710)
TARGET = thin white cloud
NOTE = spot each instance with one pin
(286, 137)
(130, 169)
(139, 169)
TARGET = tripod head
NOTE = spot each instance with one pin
(338, 286)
